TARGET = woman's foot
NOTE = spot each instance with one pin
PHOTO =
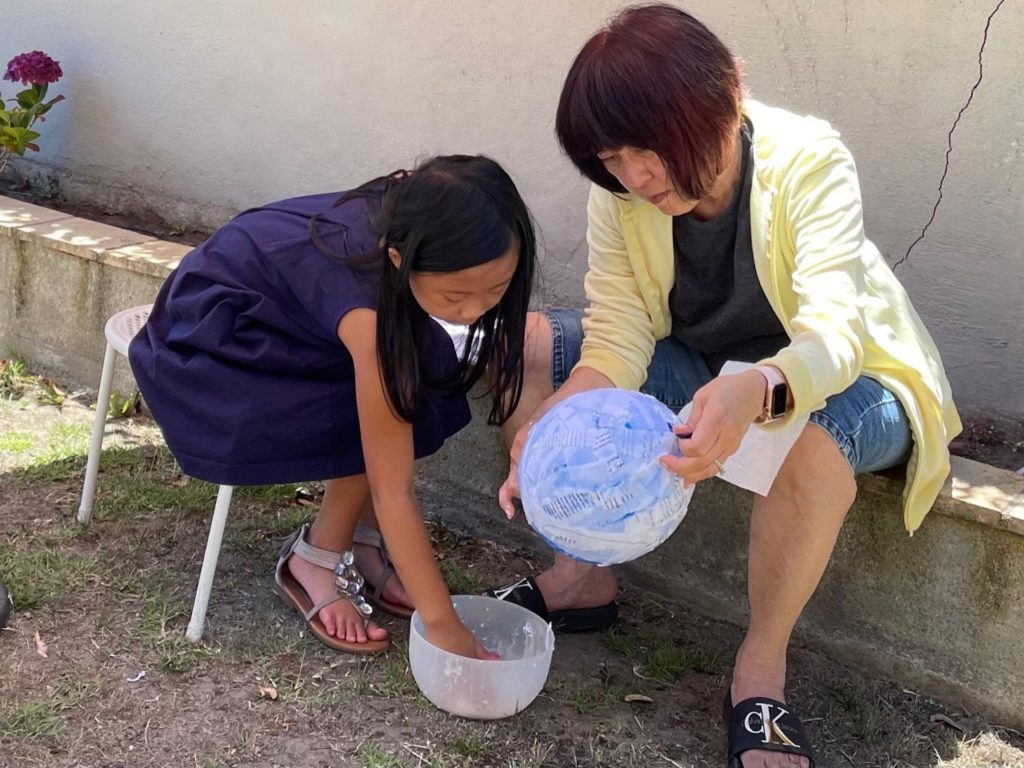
(341, 619)
(569, 584)
(753, 679)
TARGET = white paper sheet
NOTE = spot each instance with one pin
(759, 458)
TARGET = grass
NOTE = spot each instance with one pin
(16, 442)
(59, 456)
(468, 746)
(393, 676)
(31, 720)
(14, 379)
(289, 520)
(595, 697)
(375, 756)
(67, 440)
(161, 628)
(667, 662)
(267, 493)
(536, 756)
(36, 572)
(621, 641)
(459, 578)
(134, 493)
(39, 719)
(662, 658)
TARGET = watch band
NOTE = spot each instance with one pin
(776, 389)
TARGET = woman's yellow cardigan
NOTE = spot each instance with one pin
(840, 303)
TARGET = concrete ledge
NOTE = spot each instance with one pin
(941, 612)
(62, 278)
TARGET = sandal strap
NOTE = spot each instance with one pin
(371, 537)
(325, 558)
(308, 615)
(364, 534)
(348, 581)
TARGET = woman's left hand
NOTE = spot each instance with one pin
(723, 410)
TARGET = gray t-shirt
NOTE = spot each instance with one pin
(718, 306)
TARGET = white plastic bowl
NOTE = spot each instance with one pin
(485, 690)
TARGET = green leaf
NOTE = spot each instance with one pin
(20, 118)
(28, 98)
(17, 139)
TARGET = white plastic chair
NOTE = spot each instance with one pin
(120, 330)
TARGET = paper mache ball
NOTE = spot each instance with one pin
(590, 480)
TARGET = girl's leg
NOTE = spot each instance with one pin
(344, 500)
(370, 562)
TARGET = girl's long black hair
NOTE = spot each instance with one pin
(450, 213)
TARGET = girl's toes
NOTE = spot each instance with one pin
(351, 635)
(375, 632)
(330, 627)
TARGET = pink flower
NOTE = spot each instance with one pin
(34, 67)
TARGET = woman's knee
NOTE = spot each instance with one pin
(814, 469)
(537, 355)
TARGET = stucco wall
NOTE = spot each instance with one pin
(198, 109)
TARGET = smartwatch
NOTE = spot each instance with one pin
(776, 395)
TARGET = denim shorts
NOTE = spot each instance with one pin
(866, 420)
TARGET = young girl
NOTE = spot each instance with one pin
(298, 343)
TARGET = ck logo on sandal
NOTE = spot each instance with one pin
(504, 592)
(766, 725)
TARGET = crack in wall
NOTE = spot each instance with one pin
(949, 136)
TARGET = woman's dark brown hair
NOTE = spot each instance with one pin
(654, 78)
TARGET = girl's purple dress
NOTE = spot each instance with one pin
(240, 362)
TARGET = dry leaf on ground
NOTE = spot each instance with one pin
(41, 647)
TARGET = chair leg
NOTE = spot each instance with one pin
(220, 516)
(99, 423)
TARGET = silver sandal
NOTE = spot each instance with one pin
(348, 583)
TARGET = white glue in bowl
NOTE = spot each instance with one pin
(485, 690)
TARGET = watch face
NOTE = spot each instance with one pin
(780, 396)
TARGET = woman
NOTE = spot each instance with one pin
(722, 229)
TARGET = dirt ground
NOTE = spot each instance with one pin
(95, 669)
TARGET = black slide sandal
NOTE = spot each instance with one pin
(573, 620)
(5, 605)
(763, 723)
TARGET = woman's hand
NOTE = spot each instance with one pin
(454, 637)
(723, 410)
